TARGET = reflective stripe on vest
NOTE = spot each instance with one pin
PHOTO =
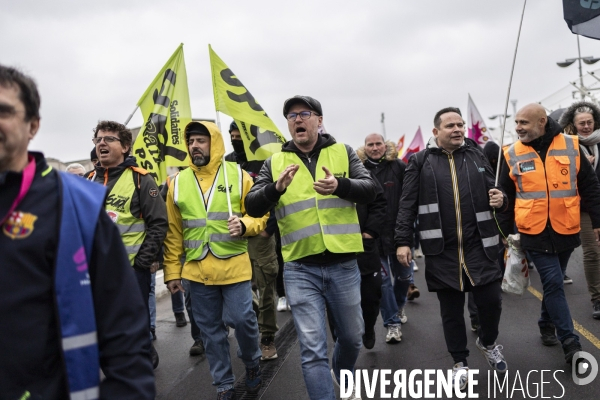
(546, 190)
(309, 222)
(74, 301)
(202, 230)
(118, 208)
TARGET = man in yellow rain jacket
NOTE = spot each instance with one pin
(217, 265)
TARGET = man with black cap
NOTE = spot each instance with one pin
(314, 183)
(208, 225)
(262, 250)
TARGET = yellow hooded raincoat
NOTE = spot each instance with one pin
(210, 270)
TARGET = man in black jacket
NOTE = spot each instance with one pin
(548, 220)
(33, 349)
(320, 237)
(133, 203)
(381, 159)
(450, 185)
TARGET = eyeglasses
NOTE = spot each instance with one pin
(107, 139)
(303, 115)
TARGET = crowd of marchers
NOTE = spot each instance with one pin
(319, 229)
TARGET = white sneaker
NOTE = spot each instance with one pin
(463, 379)
(402, 316)
(282, 304)
(415, 268)
(394, 334)
(493, 355)
(353, 395)
(418, 253)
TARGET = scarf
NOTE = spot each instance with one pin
(592, 141)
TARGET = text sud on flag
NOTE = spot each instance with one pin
(260, 135)
(166, 110)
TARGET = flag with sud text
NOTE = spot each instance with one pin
(165, 106)
(416, 145)
(476, 126)
(260, 135)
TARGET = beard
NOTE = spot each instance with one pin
(201, 160)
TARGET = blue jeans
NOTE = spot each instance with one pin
(403, 277)
(388, 307)
(177, 303)
(214, 307)
(152, 302)
(310, 289)
(555, 309)
(196, 335)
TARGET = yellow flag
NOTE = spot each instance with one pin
(260, 135)
(166, 109)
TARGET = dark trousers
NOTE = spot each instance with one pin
(488, 299)
(279, 287)
(370, 295)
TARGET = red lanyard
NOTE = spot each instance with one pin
(28, 174)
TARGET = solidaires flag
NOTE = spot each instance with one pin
(260, 135)
(165, 106)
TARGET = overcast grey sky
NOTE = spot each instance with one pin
(93, 60)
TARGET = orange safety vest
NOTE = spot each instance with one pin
(546, 189)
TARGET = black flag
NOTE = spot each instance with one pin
(583, 17)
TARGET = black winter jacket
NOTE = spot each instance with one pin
(370, 217)
(389, 172)
(145, 203)
(588, 188)
(358, 188)
(428, 181)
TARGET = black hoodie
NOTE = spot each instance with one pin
(359, 188)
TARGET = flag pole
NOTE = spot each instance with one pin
(508, 94)
(131, 115)
(225, 171)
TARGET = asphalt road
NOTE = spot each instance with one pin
(180, 376)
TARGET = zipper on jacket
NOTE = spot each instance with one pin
(462, 266)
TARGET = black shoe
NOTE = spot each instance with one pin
(369, 339)
(570, 347)
(153, 332)
(197, 348)
(548, 333)
(596, 306)
(154, 356)
(475, 325)
(180, 319)
(566, 280)
(226, 395)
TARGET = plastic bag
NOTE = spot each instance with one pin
(516, 271)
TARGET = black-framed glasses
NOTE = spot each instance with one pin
(303, 115)
(107, 139)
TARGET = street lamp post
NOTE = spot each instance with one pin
(588, 60)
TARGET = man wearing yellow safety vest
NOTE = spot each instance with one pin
(314, 184)
(212, 234)
(545, 179)
(133, 203)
